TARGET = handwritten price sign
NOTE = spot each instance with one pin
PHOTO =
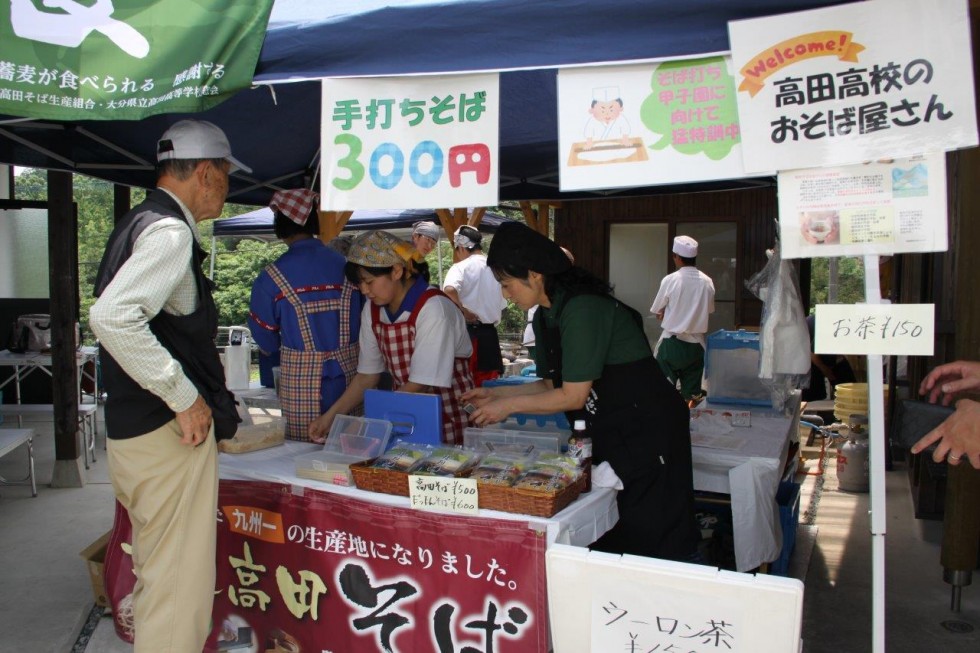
(444, 494)
(886, 329)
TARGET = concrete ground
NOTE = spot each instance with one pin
(47, 596)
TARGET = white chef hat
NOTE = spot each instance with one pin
(685, 246)
(605, 93)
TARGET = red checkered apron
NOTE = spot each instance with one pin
(302, 371)
(397, 343)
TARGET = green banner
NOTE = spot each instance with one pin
(125, 59)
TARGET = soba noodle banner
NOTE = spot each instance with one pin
(854, 83)
(410, 142)
(125, 59)
(320, 571)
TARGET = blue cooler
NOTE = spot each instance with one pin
(557, 420)
(731, 369)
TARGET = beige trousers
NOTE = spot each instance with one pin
(171, 492)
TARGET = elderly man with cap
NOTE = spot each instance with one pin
(304, 308)
(596, 364)
(425, 235)
(683, 303)
(167, 403)
(409, 329)
(471, 284)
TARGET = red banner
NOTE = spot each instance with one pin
(325, 572)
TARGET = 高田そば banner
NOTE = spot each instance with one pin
(410, 142)
(125, 59)
(854, 83)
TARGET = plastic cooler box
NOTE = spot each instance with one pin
(731, 368)
(788, 500)
(556, 420)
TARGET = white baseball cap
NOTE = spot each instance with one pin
(197, 139)
(685, 246)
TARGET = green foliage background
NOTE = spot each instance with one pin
(237, 263)
(850, 281)
(237, 260)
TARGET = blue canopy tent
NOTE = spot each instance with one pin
(259, 222)
(274, 129)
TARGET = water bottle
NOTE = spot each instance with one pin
(580, 448)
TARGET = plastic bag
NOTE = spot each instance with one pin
(784, 342)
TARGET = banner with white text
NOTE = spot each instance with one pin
(854, 83)
(326, 572)
(126, 59)
(410, 142)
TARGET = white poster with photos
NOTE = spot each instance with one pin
(881, 207)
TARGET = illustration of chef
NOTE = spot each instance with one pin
(606, 121)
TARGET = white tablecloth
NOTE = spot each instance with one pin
(751, 475)
(580, 524)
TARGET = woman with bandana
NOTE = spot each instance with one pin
(412, 331)
(596, 364)
(303, 308)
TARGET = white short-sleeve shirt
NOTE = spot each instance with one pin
(687, 298)
(477, 288)
(440, 337)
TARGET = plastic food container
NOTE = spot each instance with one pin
(351, 440)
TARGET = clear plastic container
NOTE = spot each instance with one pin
(351, 440)
(498, 440)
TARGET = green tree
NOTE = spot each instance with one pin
(93, 198)
(850, 280)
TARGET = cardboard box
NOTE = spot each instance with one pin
(94, 555)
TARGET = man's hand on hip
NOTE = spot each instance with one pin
(195, 422)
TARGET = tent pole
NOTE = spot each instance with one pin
(876, 444)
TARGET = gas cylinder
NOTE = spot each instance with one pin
(853, 457)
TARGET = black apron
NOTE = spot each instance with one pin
(640, 425)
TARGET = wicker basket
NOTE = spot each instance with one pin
(536, 503)
(374, 479)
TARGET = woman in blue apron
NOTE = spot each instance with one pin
(304, 308)
(596, 364)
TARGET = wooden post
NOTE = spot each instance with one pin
(537, 218)
(121, 201)
(332, 223)
(63, 289)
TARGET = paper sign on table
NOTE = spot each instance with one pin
(441, 493)
(885, 329)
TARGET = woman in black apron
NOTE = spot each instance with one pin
(597, 364)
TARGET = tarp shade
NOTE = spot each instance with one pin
(276, 132)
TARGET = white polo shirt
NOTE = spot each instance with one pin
(687, 298)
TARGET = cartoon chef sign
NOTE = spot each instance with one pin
(606, 121)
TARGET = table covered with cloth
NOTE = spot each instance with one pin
(747, 463)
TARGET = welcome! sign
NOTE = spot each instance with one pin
(798, 48)
(854, 83)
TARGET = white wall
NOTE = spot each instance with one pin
(637, 263)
